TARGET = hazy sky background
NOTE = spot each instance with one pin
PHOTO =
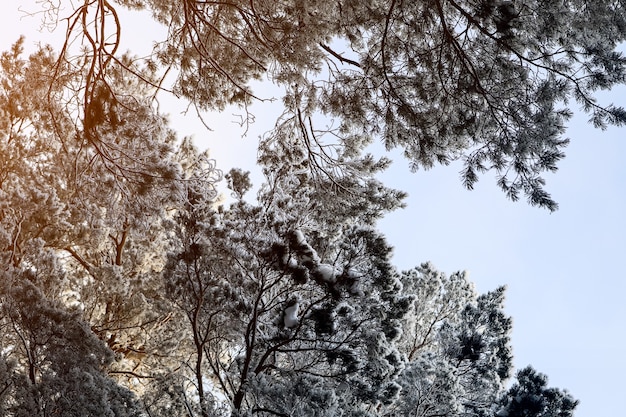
(564, 271)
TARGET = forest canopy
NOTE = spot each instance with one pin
(128, 289)
(488, 82)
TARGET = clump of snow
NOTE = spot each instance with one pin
(299, 237)
(290, 318)
(307, 253)
(326, 273)
(354, 278)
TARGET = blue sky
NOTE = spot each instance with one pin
(564, 271)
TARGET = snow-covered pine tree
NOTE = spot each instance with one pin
(82, 215)
(483, 81)
(273, 297)
(529, 396)
(51, 362)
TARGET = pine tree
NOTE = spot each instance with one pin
(268, 307)
(52, 363)
(457, 347)
(484, 81)
(79, 225)
(530, 397)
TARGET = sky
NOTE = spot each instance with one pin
(564, 271)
